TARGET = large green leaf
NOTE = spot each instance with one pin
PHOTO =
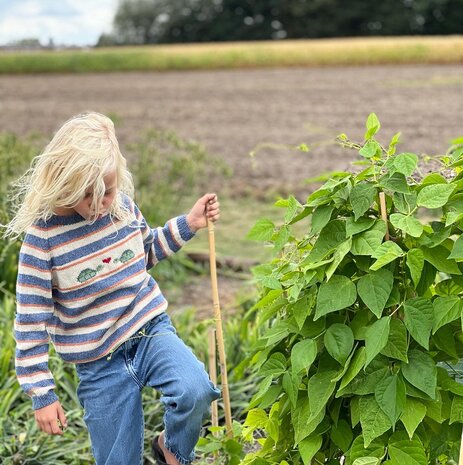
(446, 310)
(456, 410)
(361, 197)
(374, 289)
(370, 149)
(330, 237)
(413, 414)
(439, 257)
(457, 250)
(434, 195)
(356, 364)
(277, 332)
(303, 355)
(415, 263)
(397, 343)
(421, 372)
(339, 341)
(435, 408)
(320, 218)
(357, 451)
(376, 338)
(386, 253)
(444, 339)
(320, 388)
(338, 293)
(366, 243)
(303, 422)
(373, 125)
(390, 395)
(309, 446)
(395, 183)
(262, 230)
(366, 380)
(373, 420)
(407, 223)
(341, 435)
(290, 385)
(419, 319)
(405, 451)
(405, 163)
(338, 256)
(275, 365)
(355, 227)
(404, 203)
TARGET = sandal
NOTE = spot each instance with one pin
(157, 452)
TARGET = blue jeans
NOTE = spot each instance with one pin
(110, 393)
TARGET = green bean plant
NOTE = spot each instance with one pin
(362, 316)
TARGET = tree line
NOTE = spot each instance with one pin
(182, 21)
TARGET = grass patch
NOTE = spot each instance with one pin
(238, 216)
(315, 52)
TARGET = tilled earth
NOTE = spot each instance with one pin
(234, 112)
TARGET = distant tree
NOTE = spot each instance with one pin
(167, 21)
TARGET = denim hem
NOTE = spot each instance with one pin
(179, 457)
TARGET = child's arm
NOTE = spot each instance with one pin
(164, 241)
(34, 308)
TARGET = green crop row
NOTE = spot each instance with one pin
(320, 52)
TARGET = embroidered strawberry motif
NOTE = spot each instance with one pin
(106, 260)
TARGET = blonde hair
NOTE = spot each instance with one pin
(82, 152)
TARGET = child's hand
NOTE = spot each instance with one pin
(206, 205)
(47, 418)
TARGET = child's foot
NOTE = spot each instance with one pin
(170, 458)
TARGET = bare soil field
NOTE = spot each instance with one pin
(232, 112)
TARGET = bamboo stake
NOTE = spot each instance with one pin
(382, 203)
(213, 376)
(219, 329)
(460, 462)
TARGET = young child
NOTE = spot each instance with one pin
(83, 282)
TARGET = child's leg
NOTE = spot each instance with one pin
(111, 399)
(164, 362)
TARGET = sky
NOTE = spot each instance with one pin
(67, 22)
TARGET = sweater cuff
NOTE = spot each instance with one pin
(184, 228)
(42, 401)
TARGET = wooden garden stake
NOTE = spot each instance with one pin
(460, 461)
(382, 204)
(219, 329)
(213, 376)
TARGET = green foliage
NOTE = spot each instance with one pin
(21, 442)
(362, 319)
(218, 448)
(15, 156)
(181, 21)
(168, 171)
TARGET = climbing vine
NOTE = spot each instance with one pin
(362, 316)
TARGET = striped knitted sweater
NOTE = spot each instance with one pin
(86, 288)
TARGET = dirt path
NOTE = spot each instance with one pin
(231, 112)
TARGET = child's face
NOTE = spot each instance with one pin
(84, 207)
